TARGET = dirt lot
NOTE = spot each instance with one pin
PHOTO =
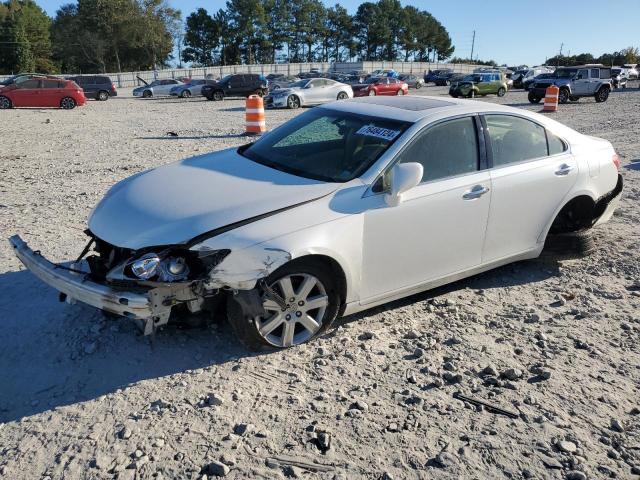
(86, 397)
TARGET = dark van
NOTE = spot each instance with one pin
(237, 85)
(99, 87)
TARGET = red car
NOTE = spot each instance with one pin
(42, 92)
(380, 86)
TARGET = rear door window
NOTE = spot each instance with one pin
(515, 139)
(50, 84)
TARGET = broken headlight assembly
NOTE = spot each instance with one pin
(173, 265)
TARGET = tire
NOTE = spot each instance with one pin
(568, 246)
(563, 96)
(418, 85)
(103, 96)
(218, 96)
(298, 272)
(5, 103)
(447, 83)
(502, 92)
(259, 93)
(185, 94)
(67, 103)
(400, 92)
(343, 96)
(147, 94)
(293, 102)
(602, 95)
(533, 98)
(372, 93)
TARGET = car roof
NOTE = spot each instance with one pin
(413, 109)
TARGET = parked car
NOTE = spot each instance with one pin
(632, 71)
(20, 76)
(192, 88)
(98, 87)
(308, 92)
(446, 79)
(480, 84)
(619, 78)
(384, 72)
(574, 83)
(282, 82)
(157, 88)
(342, 208)
(432, 75)
(380, 86)
(411, 80)
(237, 85)
(42, 92)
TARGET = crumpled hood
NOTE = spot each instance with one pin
(177, 202)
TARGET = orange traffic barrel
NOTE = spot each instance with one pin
(551, 99)
(254, 115)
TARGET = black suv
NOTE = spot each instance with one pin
(99, 87)
(238, 85)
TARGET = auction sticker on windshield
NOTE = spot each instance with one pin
(379, 132)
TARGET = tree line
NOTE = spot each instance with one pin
(627, 55)
(88, 36)
(92, 36)
(270, 31)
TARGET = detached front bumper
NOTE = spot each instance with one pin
(153, 306)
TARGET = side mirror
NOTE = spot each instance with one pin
(404, 176)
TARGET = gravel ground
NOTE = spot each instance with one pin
(86, 397)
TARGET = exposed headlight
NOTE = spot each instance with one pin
(146, 266)
(173, 269)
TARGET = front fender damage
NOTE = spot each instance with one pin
(242, 269)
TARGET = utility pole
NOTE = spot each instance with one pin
(560, 55)
(473, 44)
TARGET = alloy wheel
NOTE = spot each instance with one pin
(342, 96)
(295, 306)
(67, 103)
(5, 103)
(293, 102)
(102, 96)
(217, 96)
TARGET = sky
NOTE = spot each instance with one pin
(512, 33)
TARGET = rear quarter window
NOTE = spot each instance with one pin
(556, 145)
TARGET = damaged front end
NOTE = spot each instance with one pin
(146, 285)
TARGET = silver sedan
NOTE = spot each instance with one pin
(313, 91)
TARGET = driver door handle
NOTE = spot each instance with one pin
(564, 170)
(475, 192)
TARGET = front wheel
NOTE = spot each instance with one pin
(300, 302)
(533, 98)
(218, 96)
(372, 93)
(147, 94)
(103, 96)
(185, 94)
(563, 96)
(418, 85)
(400, 92)
(5, 103)
(343, 96)
(293, 102)
(67, 103)
(602, 95)
(502, 92)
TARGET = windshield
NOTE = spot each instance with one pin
(566, 73)
(299, 84)
(326, 145)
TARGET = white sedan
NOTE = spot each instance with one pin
(342, 208)
(307, 92)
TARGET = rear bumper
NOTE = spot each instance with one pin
(606, 205)
(78, 287)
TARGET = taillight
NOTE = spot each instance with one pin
(616, 160)
(113, 87)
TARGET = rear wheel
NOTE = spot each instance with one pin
(602, 95)
(67, 103)
(5, 103)
(502, 92)
(293, 102)
(343, 96)
(302, 302)
(400, 92)
(568, 246)
(533, 98)
(103, 96)
(147, 94)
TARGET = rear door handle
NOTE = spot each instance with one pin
(564, 170)
(475, 192)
